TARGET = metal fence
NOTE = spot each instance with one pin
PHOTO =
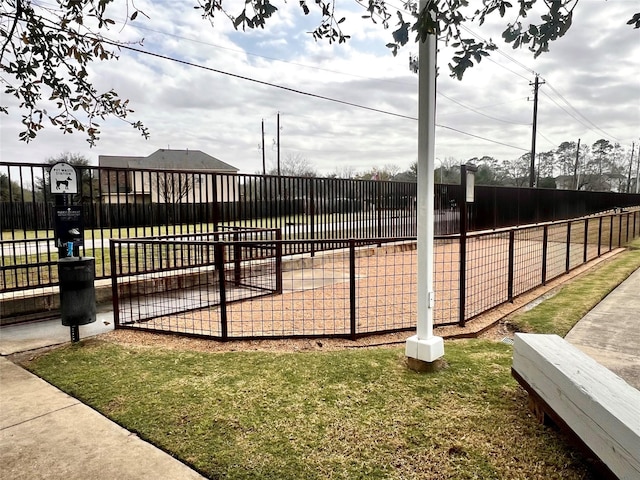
(124, 203)
(359, 287)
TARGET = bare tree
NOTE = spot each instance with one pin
(173, 187)
(346, 171)
(295, 165)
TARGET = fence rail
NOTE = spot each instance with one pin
(255, 290)
(312, 212)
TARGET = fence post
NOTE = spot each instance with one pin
(237, 259)
(278, 261)
(352, 288)
(114, 285)
(610, 232)
(219, 261)
(545, 247)
(379, 200)
(216, 207)
(512, 238)
(586, 238)
(567, 264)
(312, 207)
(620, 230)
(626, 240)
(600, 236)
(462, 301)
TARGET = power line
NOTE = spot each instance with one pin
(261, 82)
(481, 138)
(577, 119)
(274, 59)
(329, 70)
(547, 139)
(300, 92)
(289, 89)
(563, 109)
(520, 64)
(141, 27)
(480, 113)
(580, 114)
(523, 66)
(464, 27)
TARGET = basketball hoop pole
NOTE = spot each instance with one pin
(423, 349)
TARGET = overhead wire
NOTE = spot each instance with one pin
(482, 114)
(472, 109)
(549, 141)
(482, 138)
(576, 118)
(463, 27)
(300, 92)
(293, 90)
(289, 89)
(245, 52)
(593, 126)
(568, 104)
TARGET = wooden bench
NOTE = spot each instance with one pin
(599, 409)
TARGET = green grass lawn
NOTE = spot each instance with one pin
(561, 312)
(356, 413)
(347, 414)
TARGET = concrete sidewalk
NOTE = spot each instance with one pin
(610, 332)
(45, 433)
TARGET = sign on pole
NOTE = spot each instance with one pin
(63, 178)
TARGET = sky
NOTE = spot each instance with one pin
(591, 90)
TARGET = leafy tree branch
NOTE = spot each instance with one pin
(44, 57)
(46, 50)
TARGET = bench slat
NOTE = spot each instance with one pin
(597, 405)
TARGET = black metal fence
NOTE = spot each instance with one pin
(360, 287)
(124, 203)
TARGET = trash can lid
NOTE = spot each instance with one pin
(75, 259)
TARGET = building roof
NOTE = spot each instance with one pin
(170, 160)
(115, 161)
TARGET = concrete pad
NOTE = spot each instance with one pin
(297, 280)
(68, 440)
(29, 336)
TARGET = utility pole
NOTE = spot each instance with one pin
(575, 167)
(264, 164)
(638, 175)
(532, 169)
(633, 147)
(278, 142)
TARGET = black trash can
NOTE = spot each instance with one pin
(77, 290)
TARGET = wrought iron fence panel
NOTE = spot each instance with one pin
(314, 215)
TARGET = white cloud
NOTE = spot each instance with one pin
(595, 67)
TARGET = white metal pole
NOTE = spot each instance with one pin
(424, 345)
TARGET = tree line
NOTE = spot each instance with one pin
(602, 167)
